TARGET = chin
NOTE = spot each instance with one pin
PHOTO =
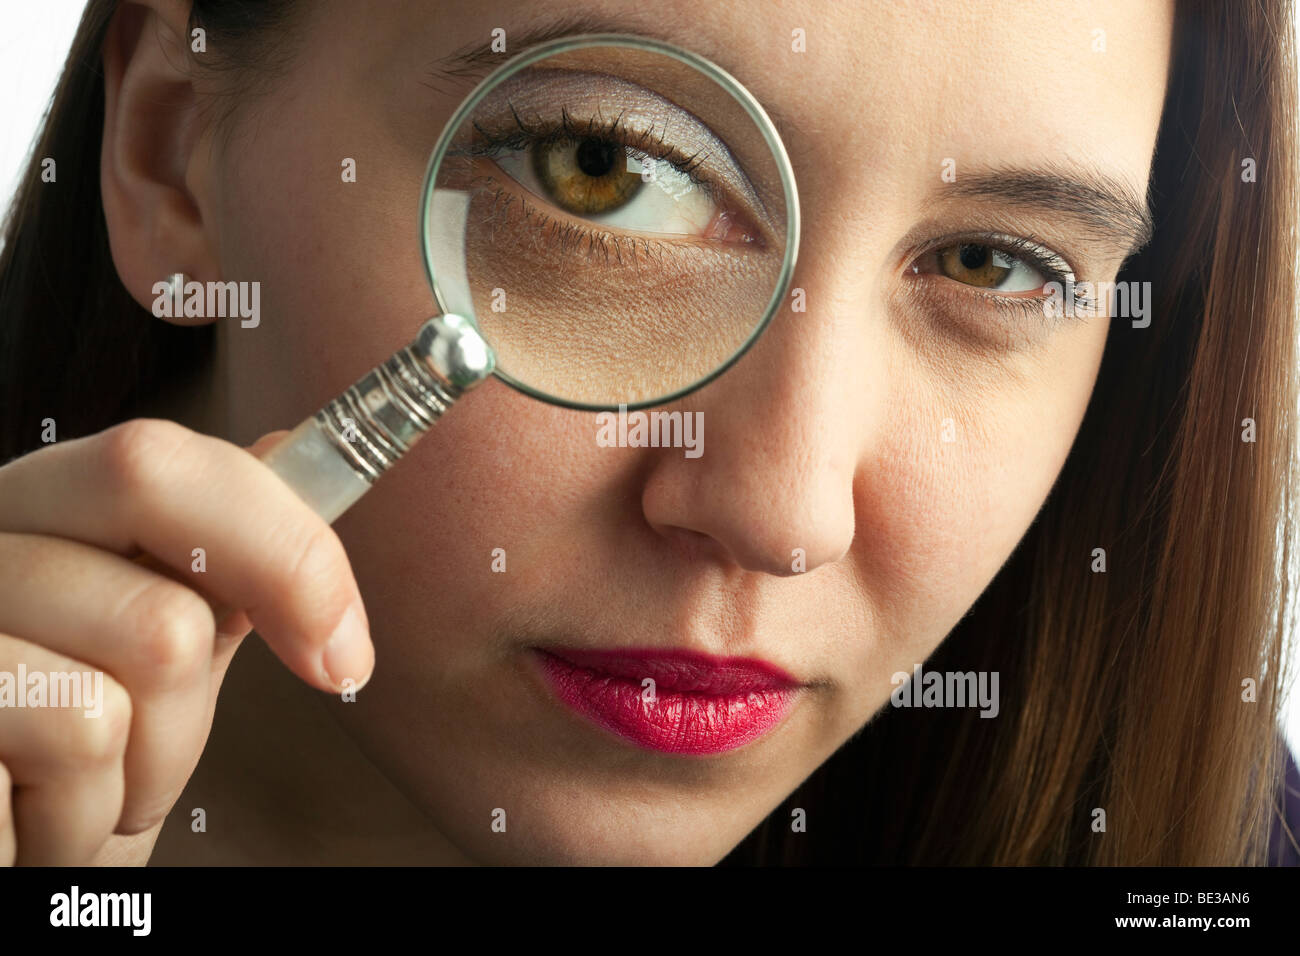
(588, 829)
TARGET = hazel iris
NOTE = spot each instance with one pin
(586, 176)
(974, 265)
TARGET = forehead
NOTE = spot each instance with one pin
(895, 83)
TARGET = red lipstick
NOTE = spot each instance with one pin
(701, 704)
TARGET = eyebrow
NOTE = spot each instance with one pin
(475, 61)
(1099, 201)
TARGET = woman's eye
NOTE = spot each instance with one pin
(602, 181)
(587, 177)
(987, 267)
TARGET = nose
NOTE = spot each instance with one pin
(773, 490)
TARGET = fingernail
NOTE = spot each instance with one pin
(349, 653)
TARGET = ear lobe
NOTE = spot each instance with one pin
(153, 163)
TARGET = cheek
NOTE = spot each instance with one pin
(961, 472)
(342, 279)
(448, 713)
(502, 480)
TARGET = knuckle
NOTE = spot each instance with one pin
(100, 740)
(134, 452)
(173, 630)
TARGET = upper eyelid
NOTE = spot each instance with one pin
(719, 191)
(546, 132)
(1018, 303)
(1020, 248)
(1046, 252)
(560, 86)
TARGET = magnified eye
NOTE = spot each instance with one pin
(602, 180)
(590, 160)
(617, 220)
(988, 268)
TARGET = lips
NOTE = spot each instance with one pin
(697, 704)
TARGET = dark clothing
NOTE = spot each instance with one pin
(1281, 848)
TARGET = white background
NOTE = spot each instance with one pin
(34, 39)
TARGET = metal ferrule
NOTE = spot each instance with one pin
(377, 420)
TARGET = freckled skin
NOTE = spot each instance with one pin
(826, 437)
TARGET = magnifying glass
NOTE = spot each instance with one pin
(607, 222)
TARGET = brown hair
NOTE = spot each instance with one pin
(1121, 691)
(74, 345)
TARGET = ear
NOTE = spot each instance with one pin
(155, 162)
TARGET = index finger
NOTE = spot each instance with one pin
(154, 486)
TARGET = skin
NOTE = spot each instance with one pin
(629, 547)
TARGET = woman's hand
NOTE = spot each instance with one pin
(73, 516)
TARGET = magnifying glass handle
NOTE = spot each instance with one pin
(333, 458)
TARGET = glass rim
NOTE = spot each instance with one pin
(731, 85)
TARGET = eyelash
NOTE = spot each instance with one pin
(570, 235)
(1026, 250)
(1023, 249)
(646, 141)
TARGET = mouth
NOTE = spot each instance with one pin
(675, 702)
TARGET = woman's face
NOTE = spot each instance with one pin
(902, 431)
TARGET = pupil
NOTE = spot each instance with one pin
(974, 257)
(596, 157)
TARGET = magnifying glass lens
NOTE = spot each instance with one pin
(614, 219)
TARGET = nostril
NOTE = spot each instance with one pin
(693, 546)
